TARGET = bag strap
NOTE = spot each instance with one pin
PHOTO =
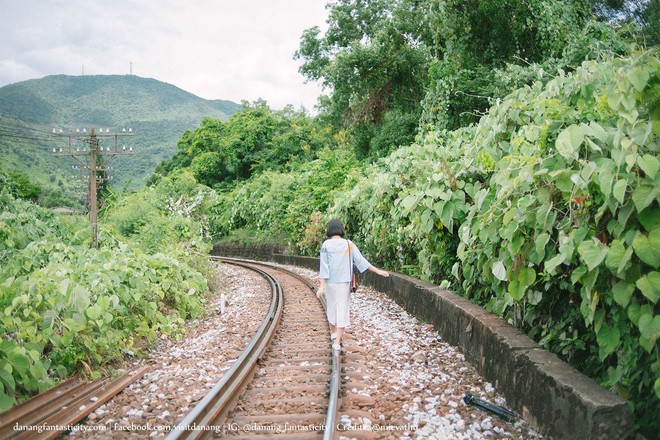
(350, 260)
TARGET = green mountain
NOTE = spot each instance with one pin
(158, 114)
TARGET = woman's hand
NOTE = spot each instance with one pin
(381, 272)
(320, 292)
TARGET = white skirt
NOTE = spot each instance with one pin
(338, 300)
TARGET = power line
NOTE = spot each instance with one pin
(93, 161)
(6, 134)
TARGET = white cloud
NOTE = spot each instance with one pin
(216, 49)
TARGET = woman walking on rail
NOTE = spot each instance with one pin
(338, 255)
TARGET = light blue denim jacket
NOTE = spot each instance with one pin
(334, 265)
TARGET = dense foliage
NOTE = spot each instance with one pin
(252, 140)
(374, 57)
(548, 211)
(288, 205)
(385, 64)
(19, 185)
(65, 307)
(171, 214)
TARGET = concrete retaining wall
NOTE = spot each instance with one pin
(552, 396)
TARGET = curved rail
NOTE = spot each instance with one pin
(216, 402)
(61, 406)
(333, 391)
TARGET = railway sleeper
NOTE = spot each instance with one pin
(285, 406)
(265, 382)
(286, 362)
(293, 391)
(311, 352)
(307, 418)
(295, 371)
(315, 339)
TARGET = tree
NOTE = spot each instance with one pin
(374, 58)
(251, 141)
(20, 185)
(487, 48)
(385, 64)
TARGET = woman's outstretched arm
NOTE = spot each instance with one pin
(381, 272)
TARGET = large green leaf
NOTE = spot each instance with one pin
(605, 179)
(516, 290)
(649, 164)
(526, 276)
(647, 248)
(499, 271)
(592, 252)
(409, 202)
(94, 312)
(643, 196)
(541, 241)
(552, 264)
(649, 218)
(619, 190)
(6, 401)
(622, 293)
(649, 326)
(18, 360)
(608, 339)
(650, 286)
(618, 257)
(639, 78)
(7, 380)
(569, 141)
(578, 273)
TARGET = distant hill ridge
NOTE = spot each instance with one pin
(158, 112)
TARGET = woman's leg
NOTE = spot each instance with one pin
(340, 333)
(343, 309)
(338, 303)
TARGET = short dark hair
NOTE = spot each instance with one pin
(335, 227)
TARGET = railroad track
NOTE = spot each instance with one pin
(285, 383)
(56, 410)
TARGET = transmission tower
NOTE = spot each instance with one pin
(93, 159)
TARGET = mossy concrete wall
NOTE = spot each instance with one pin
(552, 396)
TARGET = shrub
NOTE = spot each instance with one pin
(551, 202)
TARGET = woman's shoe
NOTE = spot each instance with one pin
(333, 336)
(336, 347)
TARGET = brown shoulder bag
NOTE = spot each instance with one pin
(354, 284)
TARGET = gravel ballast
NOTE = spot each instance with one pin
(400, 380)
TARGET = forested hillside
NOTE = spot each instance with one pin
(157, 112)
(508, 150)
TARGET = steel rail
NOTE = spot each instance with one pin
(54, 411)
(81, 408)
(25, 410)
(216, 402)
(334, 388)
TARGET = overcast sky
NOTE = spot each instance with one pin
(215, 49)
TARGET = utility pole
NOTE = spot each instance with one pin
(89, 158)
